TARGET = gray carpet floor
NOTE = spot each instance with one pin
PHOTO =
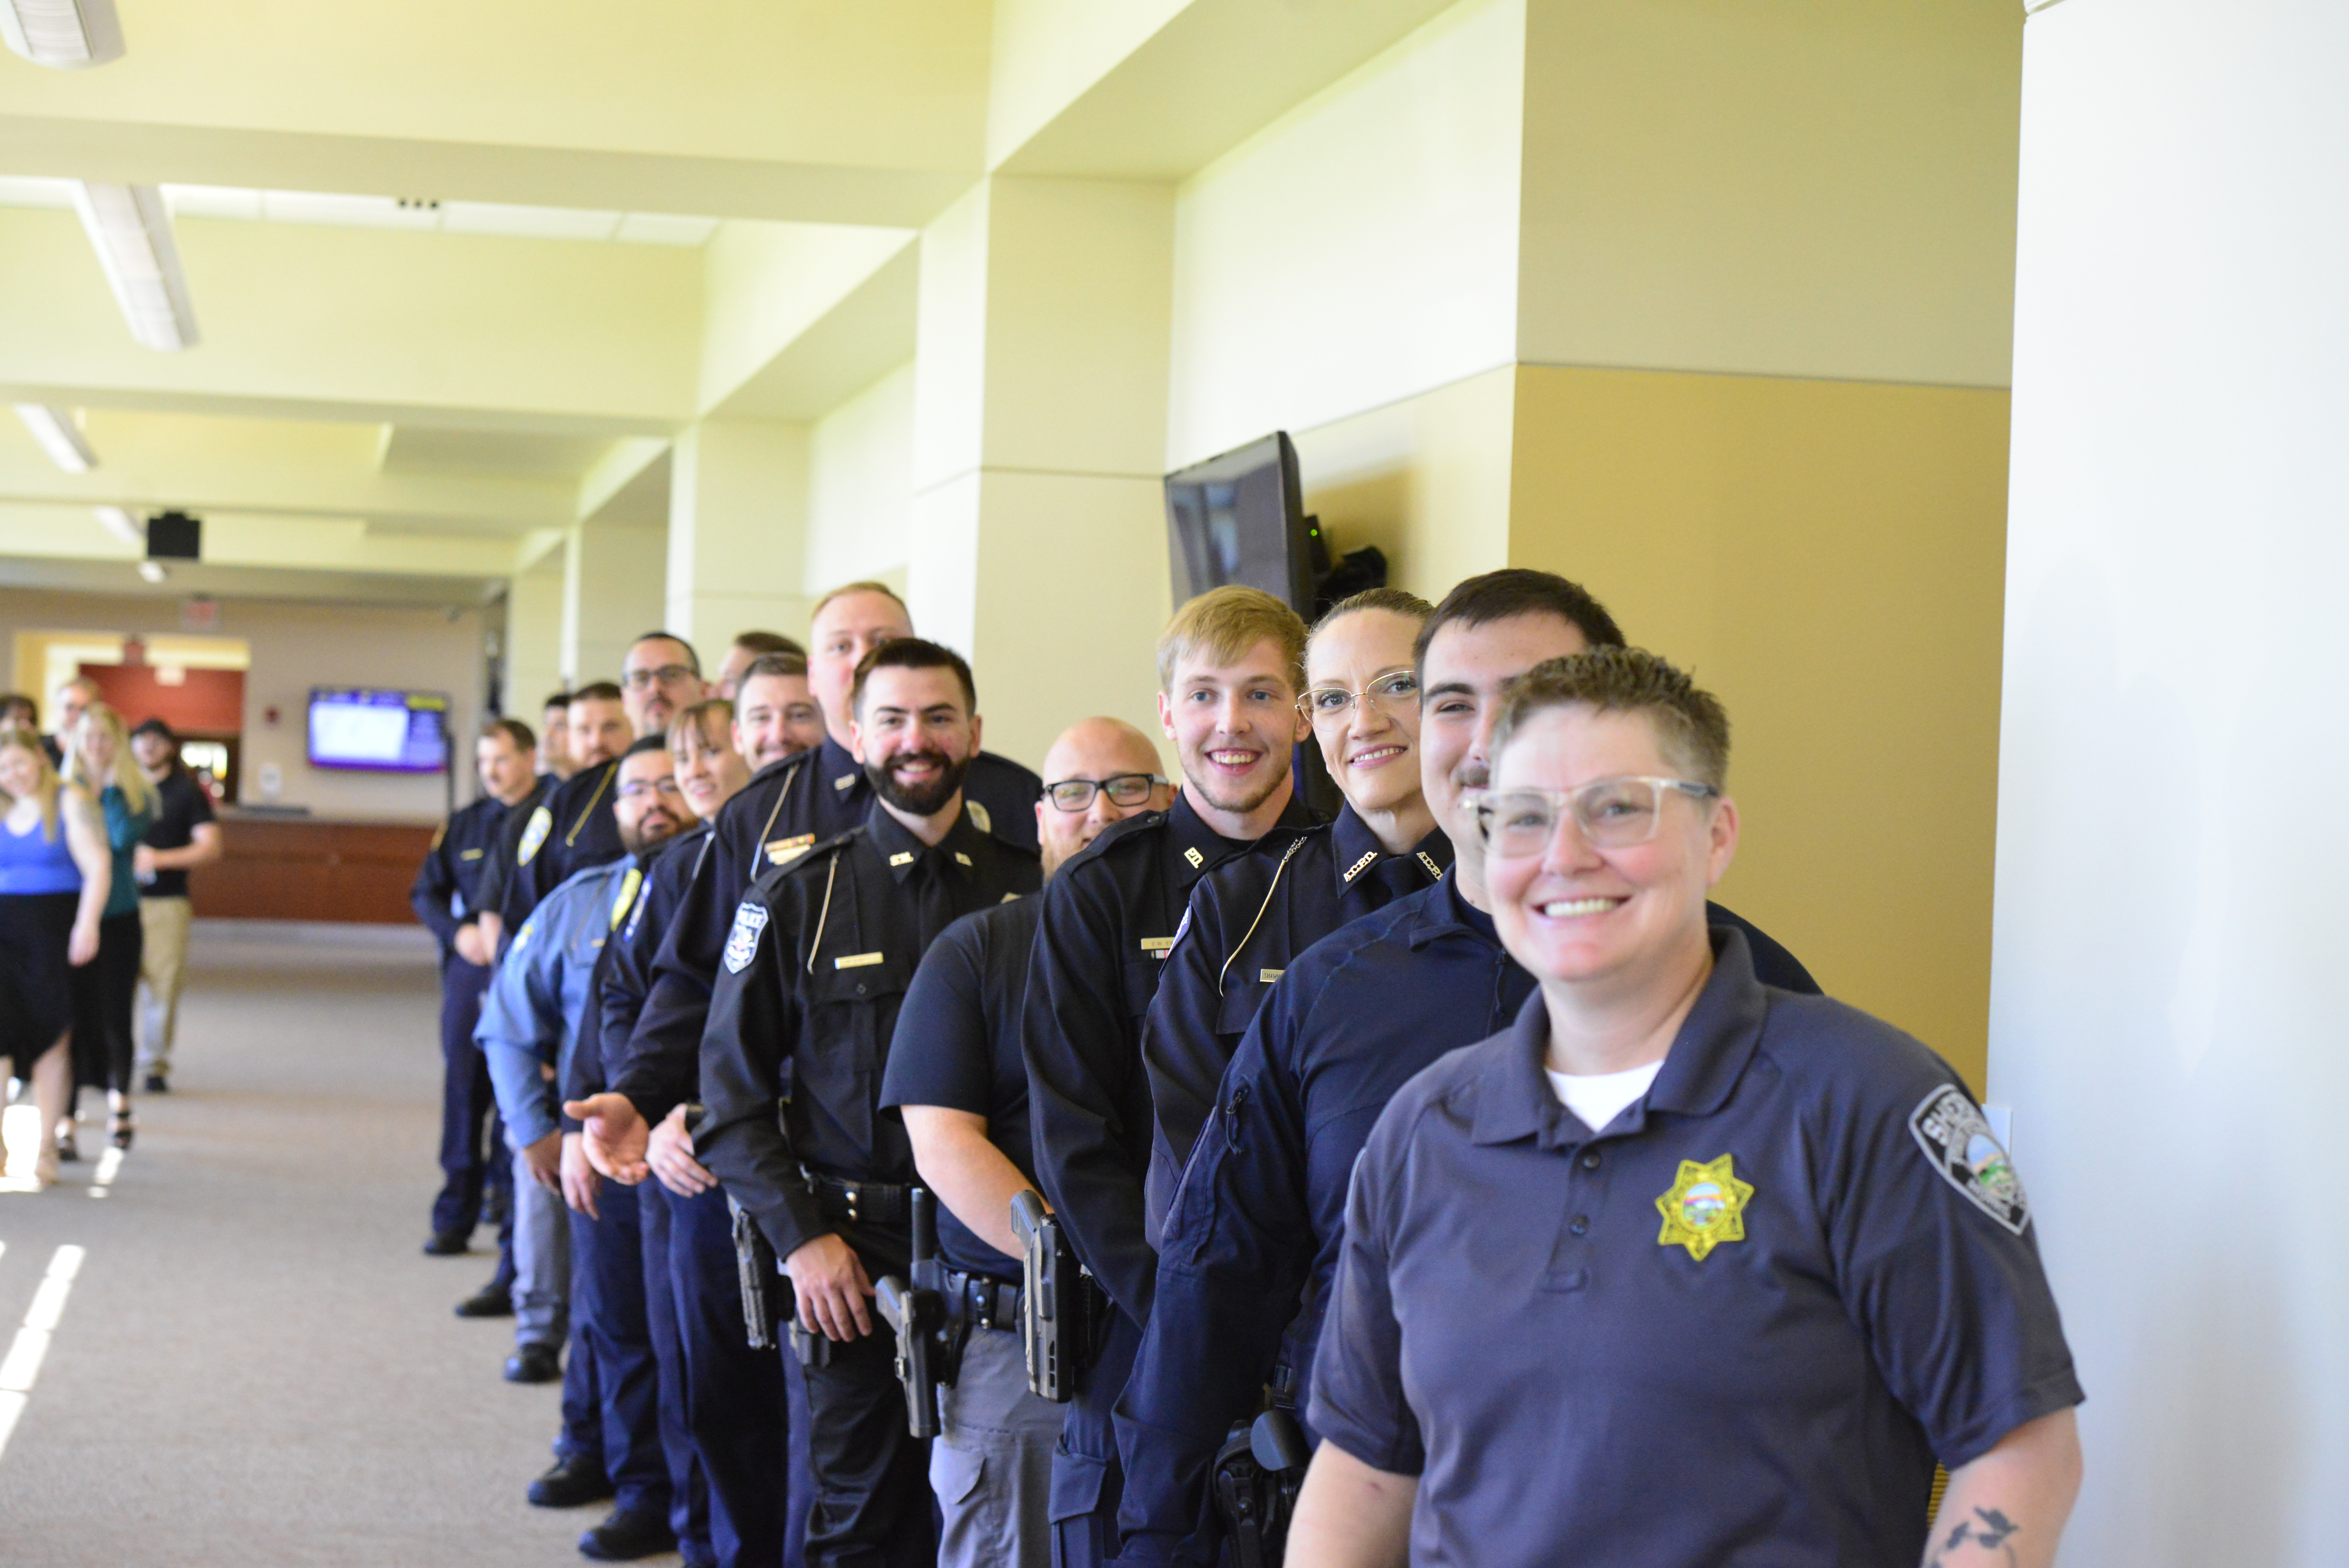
(256, 1365)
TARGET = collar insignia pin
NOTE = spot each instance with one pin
(1196, 858)
(1704, 1208)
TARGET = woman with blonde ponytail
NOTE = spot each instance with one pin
(99, 760)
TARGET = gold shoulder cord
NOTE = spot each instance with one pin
(826, 912)
(1241, 945)
(572, 837)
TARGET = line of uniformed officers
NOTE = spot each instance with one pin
(1450, 1181)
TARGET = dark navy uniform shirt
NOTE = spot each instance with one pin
(813, 974)
(1254, 1231)
(957, 1046)
(1248, 920)
(497, 862)
(787, 807)
(447, 892)
(1108, 922)
(571, 830)
(1737, 1325)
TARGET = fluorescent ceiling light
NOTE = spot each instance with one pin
(122, 525)
(132, 231)
(67, 34)
(57, 438)
(155, 571)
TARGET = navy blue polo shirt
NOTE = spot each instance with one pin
(1737, 1325)
(957, 1046)
(1247, 920)
(1253, 1235)
(787, 807)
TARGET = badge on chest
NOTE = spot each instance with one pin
(1704, 1208)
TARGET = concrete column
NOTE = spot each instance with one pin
(1038, 535)
(737, 531)
(2165, 1010)
(612, 574)
(533, 637)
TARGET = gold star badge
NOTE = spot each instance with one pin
(1705, 1207)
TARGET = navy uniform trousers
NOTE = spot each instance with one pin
(744, 1485)
(472, 1144)
(611, 1407)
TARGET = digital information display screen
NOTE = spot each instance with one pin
(383, 731)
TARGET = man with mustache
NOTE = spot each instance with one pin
(957, 1078)
(1229, 670)
(532, 1022)
(787, 807)
(811, 978)
(574, 828)
(1254, 1228)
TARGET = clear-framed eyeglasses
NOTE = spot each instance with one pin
(637, 789)
(1123, 789)
(1394, 690)
(1609, 813)
(667, 675)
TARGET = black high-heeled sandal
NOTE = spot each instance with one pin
(124, 1130)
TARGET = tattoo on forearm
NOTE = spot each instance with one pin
(1989, 1531)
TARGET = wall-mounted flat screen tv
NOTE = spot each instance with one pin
(1240, 518)
(378, 732)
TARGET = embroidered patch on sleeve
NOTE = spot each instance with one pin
(979, 816)
(631, 881)
(750, 920)
(533, 834)
(1949, 1128)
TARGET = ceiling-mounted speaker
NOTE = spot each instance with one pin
(175, 536)
(70, 34)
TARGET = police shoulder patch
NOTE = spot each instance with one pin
(1955, 1136)
(978, 815)
(750, 920)
(533, 835)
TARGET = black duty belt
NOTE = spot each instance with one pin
(980, 1302)
(876, 1203)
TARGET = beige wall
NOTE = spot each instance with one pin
(1827, 557)
(295, 647)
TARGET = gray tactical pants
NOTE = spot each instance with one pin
(991, 1466)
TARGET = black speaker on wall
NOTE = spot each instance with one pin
(175, 536)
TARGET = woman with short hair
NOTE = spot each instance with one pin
(106, 992)
(55, 875)
(1681, 1268)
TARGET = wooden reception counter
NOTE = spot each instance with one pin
(310, 868)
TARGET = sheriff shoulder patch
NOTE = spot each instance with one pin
(750, 920)
(1949, 1128)
(631, 882)
(533, 835)
(979, 816)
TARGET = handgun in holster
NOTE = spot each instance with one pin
(1257, 1476)
(917, 1312)
(1064, 1313)
(760, 1277)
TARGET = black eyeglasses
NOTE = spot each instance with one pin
(1122, 788)
(668, 674)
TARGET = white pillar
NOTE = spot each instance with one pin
(2166, 1011)
(738, 525)
(1038, 534)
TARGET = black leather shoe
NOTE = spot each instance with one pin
(492, 1300)
(627, 1535)
(571, 1484)
(158, 1084)
(446, 1244)
(533, 1364)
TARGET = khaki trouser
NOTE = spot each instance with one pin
(164, 922)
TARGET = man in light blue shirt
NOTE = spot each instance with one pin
(530, 1024)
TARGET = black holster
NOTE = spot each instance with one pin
(1257, 1476)
(1064, 1313)
(760, 1276)
(928, 1343)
